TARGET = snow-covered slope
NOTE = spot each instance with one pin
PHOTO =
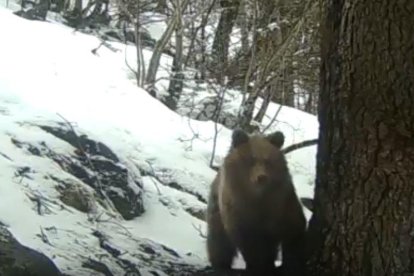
(49, 78)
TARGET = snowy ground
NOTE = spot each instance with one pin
(47, 73)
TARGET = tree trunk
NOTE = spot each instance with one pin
(191, 48)
(140, 73)
(78, 6)
(244, 27)
(203, 69)
(221, 41)
(247, 110)
(288, 90)
(265, 103)
(309, 102)
(160, 45)
(363, 213)
(176, 83)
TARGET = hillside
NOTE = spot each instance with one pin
(95, 173)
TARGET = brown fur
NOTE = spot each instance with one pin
(253, 207)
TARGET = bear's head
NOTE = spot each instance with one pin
(256, 163)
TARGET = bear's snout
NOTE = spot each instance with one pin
(259, 177)
(261, 183)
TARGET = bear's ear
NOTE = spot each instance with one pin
(239, 137)
(276, 138)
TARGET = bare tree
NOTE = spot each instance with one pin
(133, 10)
(205, 14)
(161, 43)
(272, 71)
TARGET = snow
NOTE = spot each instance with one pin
(156, 24)
(47, 74)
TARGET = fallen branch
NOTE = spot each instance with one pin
(43, 236)
(154, 175)
(42, 203)
(300, 145)
(200, 231)
(106, 44)
(5, 156)
(216, 168)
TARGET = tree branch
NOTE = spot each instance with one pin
(300, 145)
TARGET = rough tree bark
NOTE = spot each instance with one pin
(176, 85)
(244, 26)
(221, 41)
(364, 213)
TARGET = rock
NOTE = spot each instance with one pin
(98, 267)
(74, 195)
(36, 13)
(82, 141)
(206, 110)
(18, 260)
(94, 164)
(97, 166)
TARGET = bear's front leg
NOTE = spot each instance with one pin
(259, 254)
(293, 256)
(220, 249)
(293, 243)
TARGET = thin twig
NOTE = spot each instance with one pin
(296, 27)
(196, 135)
(273, 119)
(216, 119)
(111, 220)
(200, 232)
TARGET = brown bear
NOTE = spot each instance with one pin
(253, 207)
